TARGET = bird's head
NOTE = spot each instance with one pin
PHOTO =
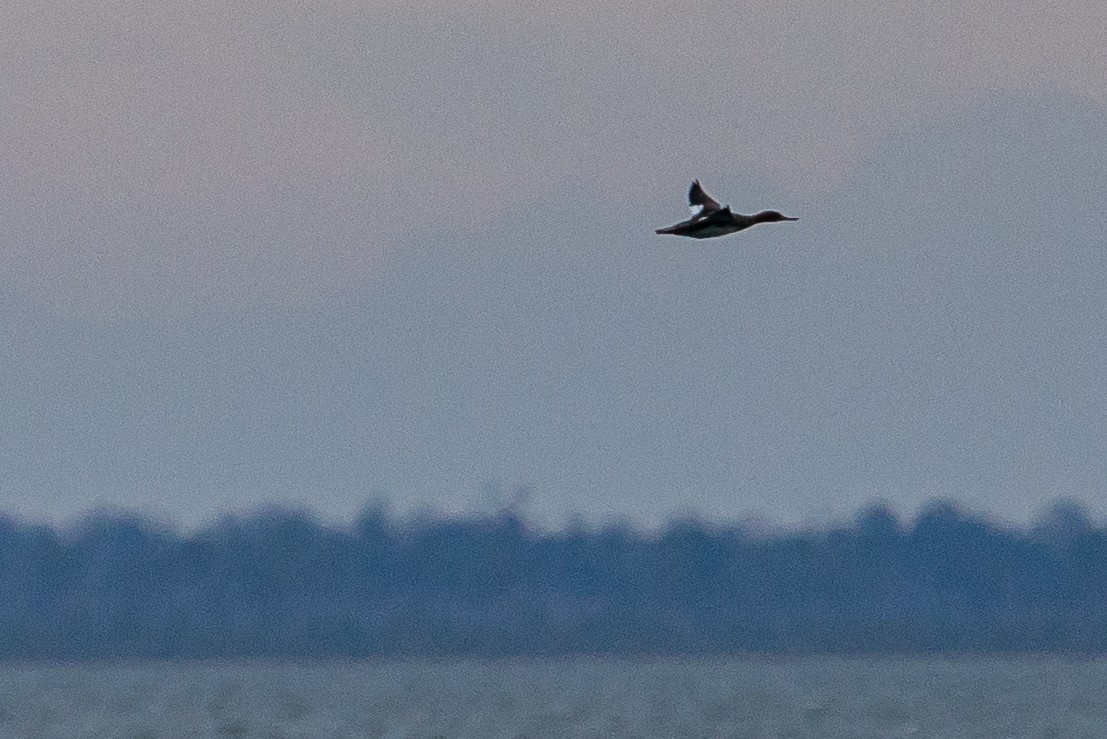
(769, 216)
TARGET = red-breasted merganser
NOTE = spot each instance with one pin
(714, 219)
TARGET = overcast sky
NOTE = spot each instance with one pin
(304, 253)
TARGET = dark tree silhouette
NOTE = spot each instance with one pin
(281, 584)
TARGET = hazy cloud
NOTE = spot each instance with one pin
(288, 251)
(931, 326)
(172, 153)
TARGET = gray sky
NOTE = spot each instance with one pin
(316, 253)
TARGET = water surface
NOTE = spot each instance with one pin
(817, 697)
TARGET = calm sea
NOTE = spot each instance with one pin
(855, 698)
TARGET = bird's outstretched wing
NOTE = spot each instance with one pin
(698, 199)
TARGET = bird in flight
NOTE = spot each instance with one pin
(713, 219)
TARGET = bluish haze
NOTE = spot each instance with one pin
(277, 584)
(315, 256)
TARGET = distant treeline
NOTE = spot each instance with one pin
(281, 584)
